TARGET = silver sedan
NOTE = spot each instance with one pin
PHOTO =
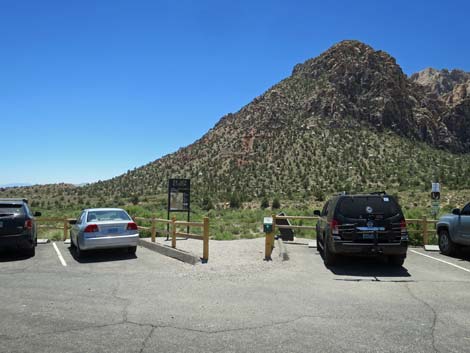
(103, 228)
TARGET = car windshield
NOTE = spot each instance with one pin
(360, 207)
(11, 208)
(107, 215)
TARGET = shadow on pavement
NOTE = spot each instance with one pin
(105, 255)
(462, 254)
(368, 267)
(10, 255)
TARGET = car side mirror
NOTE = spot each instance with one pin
(456, 211)
(72, 221)
(37, 214)
(317, 213)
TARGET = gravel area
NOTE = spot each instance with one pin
(232, 255)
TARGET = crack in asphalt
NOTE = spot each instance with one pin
(155, 327)
(237, 329)
(434, 313)
(144, 343)
(127, 301)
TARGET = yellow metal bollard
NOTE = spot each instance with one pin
(205, 251)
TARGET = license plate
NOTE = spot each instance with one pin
(370, 229)
(1, 224)
(113, 230)
(368, 236)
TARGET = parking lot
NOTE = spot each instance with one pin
(115, 302)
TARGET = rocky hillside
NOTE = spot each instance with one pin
(451, 87)
(349, 119)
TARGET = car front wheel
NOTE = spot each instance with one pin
(446, 245)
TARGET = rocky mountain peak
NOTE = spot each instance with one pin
(451, 87)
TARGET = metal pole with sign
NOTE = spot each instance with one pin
(179, 198)
(435, 198)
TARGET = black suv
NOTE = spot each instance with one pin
(362, 224)
(17, 225)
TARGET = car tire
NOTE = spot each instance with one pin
(72, 244)
(329, 258)
(446, 245)
(319, 247)
(396, 260)
(132, 250)
(79, 252)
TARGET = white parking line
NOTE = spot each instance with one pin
(62, 261)
(445, 262)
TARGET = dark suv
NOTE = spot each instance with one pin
(362, 224)
(17, 225)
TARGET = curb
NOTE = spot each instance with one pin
(43, 241)
(170, 252)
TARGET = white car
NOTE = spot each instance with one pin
(103, 228)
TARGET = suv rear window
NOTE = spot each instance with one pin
(361, 206)
(11, 208)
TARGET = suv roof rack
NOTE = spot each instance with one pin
(13, 199)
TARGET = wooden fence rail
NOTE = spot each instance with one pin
(174, 226)
(423, 223)
(52, 223)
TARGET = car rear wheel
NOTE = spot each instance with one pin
(329, 258)
(319, 245)
(79, 252)
(72, 244)
(446, 245)
(30, 252)
(396, 260)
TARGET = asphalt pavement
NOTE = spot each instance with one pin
(115, 302)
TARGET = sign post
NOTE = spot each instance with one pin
(435, 198)
(179, 198)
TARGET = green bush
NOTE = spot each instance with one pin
(235, 201)
(264, 203)
(276, 204)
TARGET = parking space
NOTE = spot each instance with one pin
(114, 302)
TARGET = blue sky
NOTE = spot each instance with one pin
(90, 89)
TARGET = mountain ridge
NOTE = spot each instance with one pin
(340, 121)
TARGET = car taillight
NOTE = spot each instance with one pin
(403, 226)
(131, 226)
(28, 224)
(91, 228)
(334, 225)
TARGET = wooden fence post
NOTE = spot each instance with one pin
(173, 232)
(269, 241)
(272, 234)
(153, 230)
(425, 231)
(205, 250)
(66, 223)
